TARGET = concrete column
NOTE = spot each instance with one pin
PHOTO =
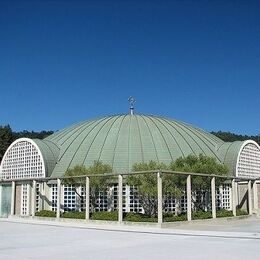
(62, 188)
(13, 199)
(159, 198)
(255, 196)
(33, 198)
(236, 194)
(213, 197)
(234, 197)
(78, 198)
(120, 198)
(188, 194)
(29, 199)
(41, 196)
(87, 199)
(58, 198)
(249, 193)
(46, 196)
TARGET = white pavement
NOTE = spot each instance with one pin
(33, 239)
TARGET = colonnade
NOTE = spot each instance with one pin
(252, 198)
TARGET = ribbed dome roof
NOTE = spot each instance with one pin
(123, 140)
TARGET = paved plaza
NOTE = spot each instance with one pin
(45, 240)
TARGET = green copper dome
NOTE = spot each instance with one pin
(123, 140)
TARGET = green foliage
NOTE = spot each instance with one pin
(174, 184)
(78, 170)
(199, 164)
(31, 134)
(104, 215)
(152, 165)
(170, 217)
(97, 183)
(223, 213)
(231, 137)
(201, 214)
(74, 214)
(241, 212)
(137, 217)
(200, 184)
(6, 139)
(147, 185)
(46, 213)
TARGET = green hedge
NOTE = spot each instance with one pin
(201, 215)
(73, 214)
(170, 217)
(104, 215)
(45, 213)
(223, 213)
(241, 212)
(137, 217)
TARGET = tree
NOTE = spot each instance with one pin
(199, 164)
(97, 183)
(174, 184)
(6, 139)
(146, 184)
(231, 137)
(33, 135)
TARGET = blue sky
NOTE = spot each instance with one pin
(62, 62)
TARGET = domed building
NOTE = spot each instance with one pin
(121, 141)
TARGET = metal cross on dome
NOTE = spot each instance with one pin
(131, 101)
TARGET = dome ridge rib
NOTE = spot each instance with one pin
(152, 120)
(227, 150)
(156, 153)
(95, 123)
(67, 148)
(84, 126)
(108, 119)
(59, 135)
(128, 148)
(185, 130)
(167, 129)
(174, 127)
(198, 134)
(108, 132)
(114, 152)
(70, 129)
(140, 137)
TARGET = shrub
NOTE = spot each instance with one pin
(73, 214)
(241, 212)
(223, 213)
(104, 215)
(45, 213)
(172, 218)
(137, 217)
(201, 214)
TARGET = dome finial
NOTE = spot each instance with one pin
(131, 101)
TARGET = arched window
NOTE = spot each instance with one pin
(248, 163)
(23, 159)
